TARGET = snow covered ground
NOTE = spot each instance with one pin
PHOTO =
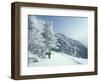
(59, 59)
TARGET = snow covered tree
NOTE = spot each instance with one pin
(75, 52)
(50, 39)
(35, 39)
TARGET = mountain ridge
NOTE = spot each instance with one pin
(70, 46)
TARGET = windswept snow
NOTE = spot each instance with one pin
(59, 59)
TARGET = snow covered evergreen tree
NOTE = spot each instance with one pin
(35, 39)
(75, 53)
(50, 39)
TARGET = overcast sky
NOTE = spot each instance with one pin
(73, 27)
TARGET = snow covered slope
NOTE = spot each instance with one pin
(59, 59)
(70, 46)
